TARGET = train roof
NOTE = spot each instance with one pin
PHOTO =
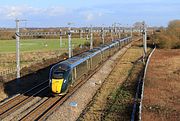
(76, 60)
(114, 43)
(104, 47)
(62, 66)
(124, 38)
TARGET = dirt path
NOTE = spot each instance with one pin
(115, 89)
(162, 87)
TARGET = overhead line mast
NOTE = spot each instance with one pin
(144, 38)
(17, 34)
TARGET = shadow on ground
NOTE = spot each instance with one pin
(35, 75)
(28, 81)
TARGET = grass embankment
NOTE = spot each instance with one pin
(120, 101)
(114, 100)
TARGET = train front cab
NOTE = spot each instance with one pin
(60, 80)
(57, 81)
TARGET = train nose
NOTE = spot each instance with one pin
(57, 85)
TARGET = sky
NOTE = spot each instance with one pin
(56, 13)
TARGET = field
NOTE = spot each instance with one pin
(30, 45)
(32, 51)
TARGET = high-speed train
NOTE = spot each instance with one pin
(64, 74)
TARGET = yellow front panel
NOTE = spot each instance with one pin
(56, 85)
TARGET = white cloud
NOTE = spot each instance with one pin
(89, 16)
(54, 11)
(100, 14)
(9, 12)
(12, 12)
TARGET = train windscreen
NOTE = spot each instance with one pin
(58, 75)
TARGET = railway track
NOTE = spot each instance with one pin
(44, 109)
(20, 100)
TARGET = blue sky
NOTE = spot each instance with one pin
(55, 13)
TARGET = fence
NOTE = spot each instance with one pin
(8, 71)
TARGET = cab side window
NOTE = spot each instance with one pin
(70, 78)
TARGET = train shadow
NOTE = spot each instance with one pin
(33, 78)
(29, 81)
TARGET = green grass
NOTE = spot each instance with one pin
(30, 45)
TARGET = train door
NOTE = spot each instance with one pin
(70, 80)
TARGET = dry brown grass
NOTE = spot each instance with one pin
(99, 106)
(2, 94)
(162, 87)
(7, 35)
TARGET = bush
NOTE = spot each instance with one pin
(169, 38)
(87, 44)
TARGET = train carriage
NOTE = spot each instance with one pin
(112, 48)
(83, 67)
(104, 52)
(65, 73)
(96, 58)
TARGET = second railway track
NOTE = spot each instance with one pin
(20, 100)
(42, 111)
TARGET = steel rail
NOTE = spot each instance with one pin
(143, 81)
(46, 108)
(42, 111)
(14, 104)
(55, 100)
(58, 104)
(18, 95)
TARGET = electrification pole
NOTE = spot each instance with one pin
(112, 33)
(60, 38)
(87, 31)
(127, 30)
(17, 34)
(69, 40)
(115, 31)
(103, 34)
(144, 38)
(119, 30)
(17, 50)
(131, 32)
(91, 40)
(81, 33)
